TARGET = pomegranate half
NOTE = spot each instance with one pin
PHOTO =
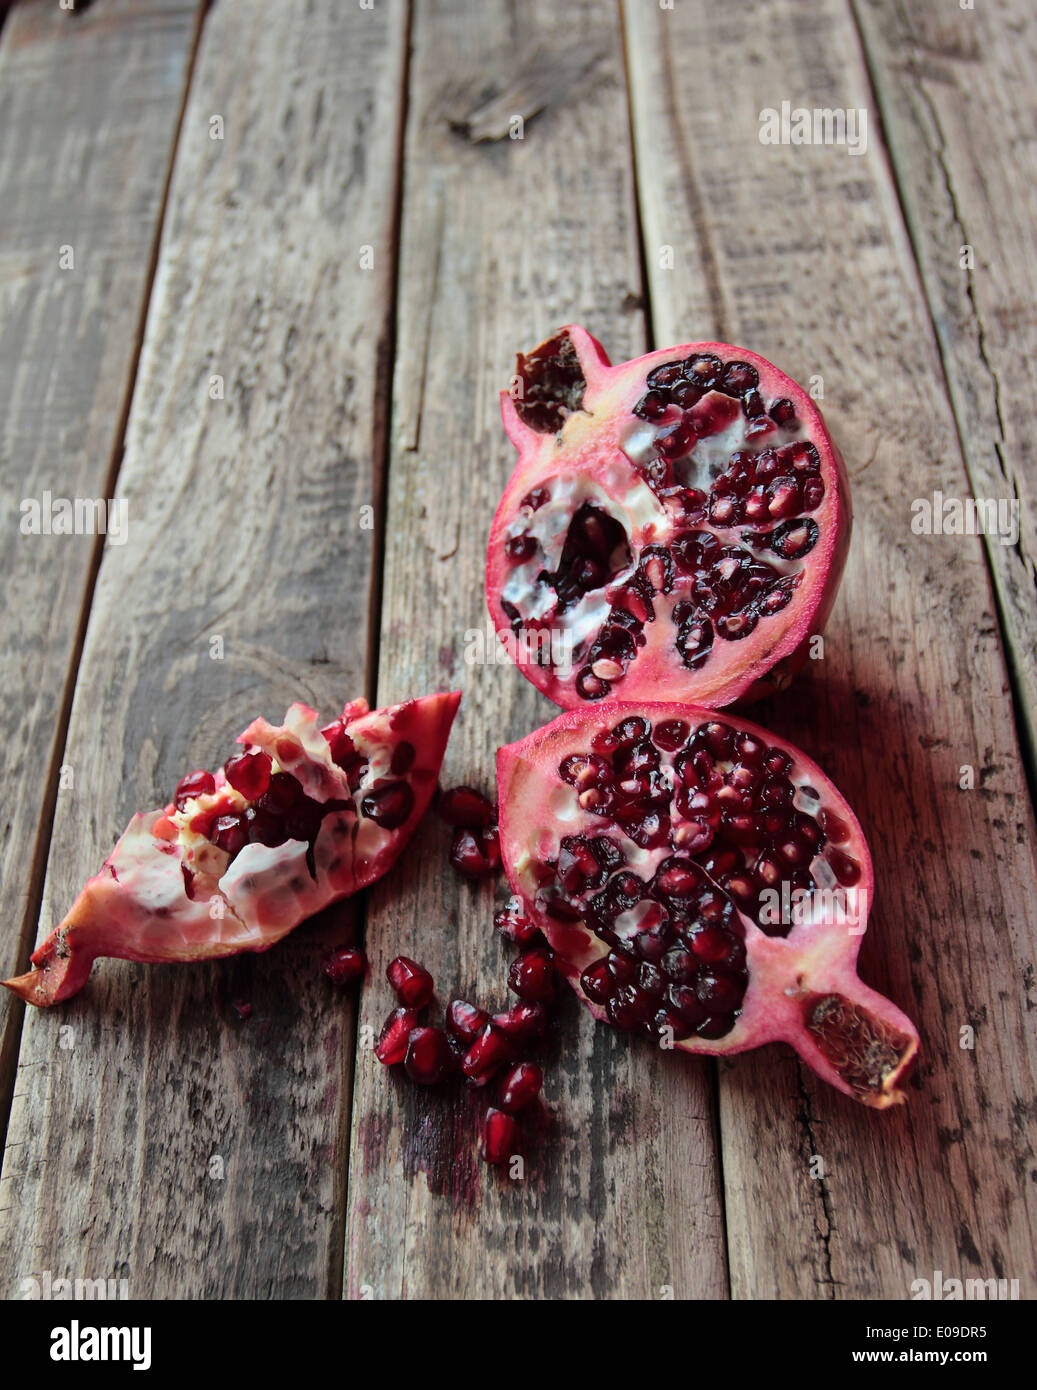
(675, 528)
(304, 817)
(703, 882)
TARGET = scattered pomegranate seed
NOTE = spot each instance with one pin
(345, 966)
(513, 923)
(465, 1020)
(520, 1086)
(391, 1047)
(476, 853)
(242, 1008)
(500, 1137)
(522, 1024)
(199, 783)
(490, 1050)
(531, 976)
(428, 1058)
(249, 774)
(411, 982)
(464, 806)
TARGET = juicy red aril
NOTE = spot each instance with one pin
(389, 805)
(522, 1024)
(391, 1047)
(230, 833)
(465, 806)
(282, 793)
(265, 828)
(500, 1137)
(402, 760)
(465, 1020)
(629, 1007)
(520, 1087)
(199, 783)
(476, 853)
(597, 981)
(302, 821)
(719, 993)
(249, 774)
(704, 369)
(489, 1051)
(520, 548)
(670, 734)
(412, 984)
(513, 923)
(531, 975)
(428, 1058)
(783, 412)
(666, 1021)
(343, 967)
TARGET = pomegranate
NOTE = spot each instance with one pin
(703, 882)
(412, 984)
(500, 1137)
(520, 1087)
(345, 966)
(391, 1047)
(676, 526)
(303, 818)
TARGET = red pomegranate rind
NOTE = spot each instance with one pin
(689, 556)
(220, 875)
(696, 873)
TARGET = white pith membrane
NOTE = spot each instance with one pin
(732, 609)
(801, 983)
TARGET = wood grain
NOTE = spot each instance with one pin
(955, 90)
(89, 115)
(802, 253)
(504, 240)
(244, 523)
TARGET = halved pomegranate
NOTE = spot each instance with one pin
(304, 817)
(676, 526)
(703, 882)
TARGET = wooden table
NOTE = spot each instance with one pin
(304, 247)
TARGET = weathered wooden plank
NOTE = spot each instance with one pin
(800, 252)
(955, 89)
(503, 240)
(88, 110)
(245, 523)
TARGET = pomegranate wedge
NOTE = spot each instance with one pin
(702, 882)
(302, 818)
(675, 528)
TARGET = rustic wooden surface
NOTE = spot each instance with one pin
(390, 129)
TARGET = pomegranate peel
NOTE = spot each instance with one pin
(702, 881)
(213, 874)
(686, 537)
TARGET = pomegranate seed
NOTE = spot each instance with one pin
(719, 993)
(465, 1020)
(597, 981)
(411, 982)
(428, 1058)
(249, 774)
(391, 1047)
(402, 760)
(194, 784)
(465, 806)
(487, 1054)
(264, 828)
(520, 1087)
(520, 548)
(343, 967)
(231, 834)
(666, 1020)
(500, 1137)
(629, 1007)
(522, 1024)
(513, 923)
(302, 822)
(531, 976)
(389, 805)
(476, 853)
(282, 793)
